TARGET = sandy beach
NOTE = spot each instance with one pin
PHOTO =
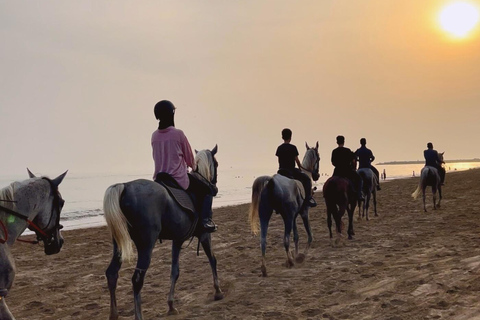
(404, 264)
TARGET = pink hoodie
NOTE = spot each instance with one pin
(172, 154)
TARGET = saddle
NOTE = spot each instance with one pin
(182, 197)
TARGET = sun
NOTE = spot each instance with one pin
(459, 18)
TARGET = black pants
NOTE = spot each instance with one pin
(202, 195)
(297, 174)
(352, 175)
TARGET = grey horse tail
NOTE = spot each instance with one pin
(258, 185)
(418, 190)
(116, 221)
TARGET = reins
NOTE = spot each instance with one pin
(18, 215)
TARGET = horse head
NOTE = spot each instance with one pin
(311, 161)
(207, 164)
(46, 223)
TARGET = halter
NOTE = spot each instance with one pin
(38, 230)
(316, 162)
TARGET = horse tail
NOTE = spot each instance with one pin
(258, 185)
(417, 191)
(116, 220)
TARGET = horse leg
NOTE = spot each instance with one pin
(143, 262)
(439, 195)
(7, 268)
(423, 194)
(350, 212)
(329, 219)
(206, 241)
(367, 205)
(434, 194)
(338, 222)
(174, 274)
(306, 222)
(265, 213)
(112, 278)
(288, 222)
(295, 236)
(375, 201)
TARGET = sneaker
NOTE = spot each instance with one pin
(209, 225)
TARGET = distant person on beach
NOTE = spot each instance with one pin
(432, 159)
(343, 159)
(287, 154)
(365, 158)
(384, 175)
(172, 154)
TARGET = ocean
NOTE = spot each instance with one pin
(83, 193)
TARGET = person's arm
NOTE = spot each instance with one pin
(299, 164)
(187, 153)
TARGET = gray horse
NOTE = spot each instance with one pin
(370, 183)
(286, 197)
(34, 203)
(429, 176)
(143, 211)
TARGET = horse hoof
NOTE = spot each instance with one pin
(219, 296)
(264, 271)
(300, 258)
(289, 264)
(350, 237)
(172, 312)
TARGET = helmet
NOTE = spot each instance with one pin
(163, 109)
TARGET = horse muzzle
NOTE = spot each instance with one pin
(54, 244)
(315, 176)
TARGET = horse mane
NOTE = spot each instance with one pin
(7, 194)
(203, 164)
(309, 159)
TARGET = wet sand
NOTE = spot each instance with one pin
(403, 264)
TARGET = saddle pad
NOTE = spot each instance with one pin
(301, 189)
(181, 197)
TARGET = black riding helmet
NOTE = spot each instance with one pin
(164, 111)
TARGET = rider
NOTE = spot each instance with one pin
(365, 158)
(432, 159)
(287, 154)
(343, 159)
(172, 154)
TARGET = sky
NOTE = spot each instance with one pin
(79, 80)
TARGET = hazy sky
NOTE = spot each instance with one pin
(79, 80)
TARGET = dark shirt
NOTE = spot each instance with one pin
(365, 157)
(431, 158)
(342, 159)
(286, 153)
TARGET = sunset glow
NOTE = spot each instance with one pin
(459, 18)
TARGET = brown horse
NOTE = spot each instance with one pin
(339, 197)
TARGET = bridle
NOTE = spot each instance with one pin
(316, 164)
(41, 234)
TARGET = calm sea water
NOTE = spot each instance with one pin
(83, 194)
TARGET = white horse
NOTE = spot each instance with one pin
(429, 176)
(34, 203)
(370, 184)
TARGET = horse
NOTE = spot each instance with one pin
(429, 176)
(35, 203)
(370, 184)
(143, 211)
(284, 195)
(339, 197)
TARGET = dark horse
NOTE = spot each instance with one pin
(34, 203)
(370, 184)
(143, 211)
(339, 197)
(286, 197)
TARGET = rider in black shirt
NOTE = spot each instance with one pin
(365, 158)
(287, 157)
(432, 159)
(343, 159)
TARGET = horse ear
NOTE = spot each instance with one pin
(56, 182)
(214, 150)
(196, 151)
(30, 174)
(306, 145)
(316, 147)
